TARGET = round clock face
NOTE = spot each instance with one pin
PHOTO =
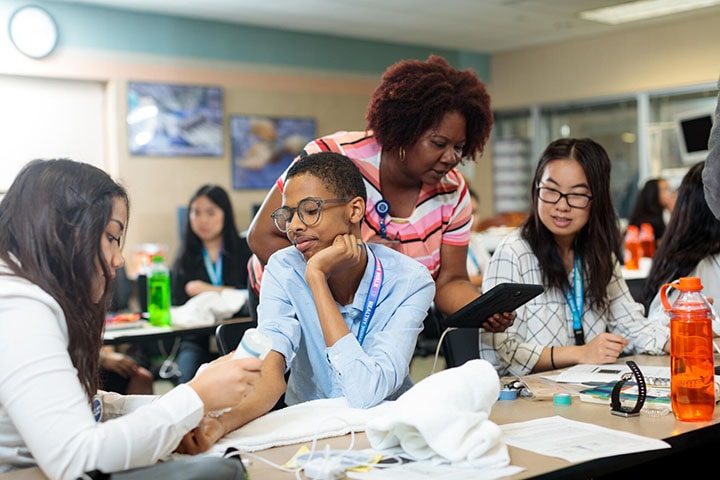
(33, 31)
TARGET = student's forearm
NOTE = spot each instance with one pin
(266, 394)
(331, 321)
(255, 405)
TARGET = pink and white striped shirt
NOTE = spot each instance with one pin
(442, 214)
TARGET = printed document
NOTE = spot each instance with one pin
(575, 441)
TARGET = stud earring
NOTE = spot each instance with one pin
(402, 154)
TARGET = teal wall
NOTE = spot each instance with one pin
(84, 26)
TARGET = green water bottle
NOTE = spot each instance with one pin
(158, 282)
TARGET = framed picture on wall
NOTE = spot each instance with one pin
(263, 147)
(175, 120)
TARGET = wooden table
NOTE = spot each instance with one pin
(148, 332)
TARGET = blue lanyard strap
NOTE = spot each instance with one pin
(214, 270)
(576, 300)
(474, 259)
(371, 298)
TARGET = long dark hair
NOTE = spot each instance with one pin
(648, 209)
(692, 234)
(51, 221)
(598, 240)
(191, 248)
(647, 204)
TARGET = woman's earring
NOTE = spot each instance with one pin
(402, 154)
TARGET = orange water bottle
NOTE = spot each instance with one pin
(647, 240)
(692, 374)
(633, 250)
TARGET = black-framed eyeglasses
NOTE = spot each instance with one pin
(574, 200)
(308, 210)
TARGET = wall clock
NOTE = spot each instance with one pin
(33, 31)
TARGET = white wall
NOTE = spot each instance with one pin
(44, 118)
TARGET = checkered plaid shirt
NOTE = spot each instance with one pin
(546, 320)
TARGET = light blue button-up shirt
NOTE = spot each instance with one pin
(365, 374)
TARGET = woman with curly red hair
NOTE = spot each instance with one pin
(424, 118)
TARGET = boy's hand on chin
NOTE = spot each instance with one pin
(345, 252)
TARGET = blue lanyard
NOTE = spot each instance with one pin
(371, 299)
(474, 260)
(214, 270)
(576, 301)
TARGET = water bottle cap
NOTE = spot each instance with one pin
(685, 284)
(632, 233)
(690, 284)
(157, 258)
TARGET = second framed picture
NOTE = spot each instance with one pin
(263, 147)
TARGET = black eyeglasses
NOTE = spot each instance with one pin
(574, 200)
(308, 210)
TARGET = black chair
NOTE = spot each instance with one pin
(229, 334)
(459, 345)
(636, 287)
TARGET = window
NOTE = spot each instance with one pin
(513, 162)
(50, 118)
(612, 125)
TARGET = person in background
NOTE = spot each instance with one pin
(343, 315)
(422, 120)
(571, 245)
(62, 226)
(711, 173)
(212, 257)
(478, 255)
(691, 247)
(653, 205)
(119, 371)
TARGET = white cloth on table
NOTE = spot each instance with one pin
(444, 417)
(208, 308)
(316, 419)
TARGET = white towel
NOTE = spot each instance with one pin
(444, 418)
(208, 308)
(299, 423)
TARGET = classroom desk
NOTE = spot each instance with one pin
(131, 335)
(686, 439)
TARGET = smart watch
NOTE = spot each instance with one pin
(616, 407)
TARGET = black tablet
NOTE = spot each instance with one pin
(503, 297)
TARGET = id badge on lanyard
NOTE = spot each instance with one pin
(576, 301)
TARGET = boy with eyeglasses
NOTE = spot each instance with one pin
(343, 315)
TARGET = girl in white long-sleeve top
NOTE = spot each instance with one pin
(62, 225)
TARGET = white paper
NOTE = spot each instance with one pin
(575, 441)
(596, 374)
(423, 470)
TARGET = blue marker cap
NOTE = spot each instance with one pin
(507, 394)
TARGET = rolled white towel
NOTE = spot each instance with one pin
(444, 418)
